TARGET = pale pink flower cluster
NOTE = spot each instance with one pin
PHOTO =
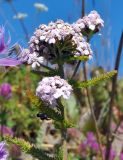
(31, 58)
(92, 21)
(44, 44)
(52, 88)
(46, 37)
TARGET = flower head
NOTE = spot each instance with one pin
(121, 156)
(112, 155)
(6, 57)
(6, 130)
(89, 144)
(5, 90)
(52, 88)
(20, 16)
(3, 151)
(56, 37)
(40, 7)
(3, 45)
(91, 22)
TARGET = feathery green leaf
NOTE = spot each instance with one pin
(94, 80)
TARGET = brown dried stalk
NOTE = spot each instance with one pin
(113, 92)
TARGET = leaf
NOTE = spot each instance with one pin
(59, 153)
(47, 73)
(34, 99)
(24, 145)
(69, 59)
(52, 113)
(93, 81)
(40, 154)
(28, 148)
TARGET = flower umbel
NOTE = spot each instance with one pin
(52, 88)
(58, 39)
(91, 22)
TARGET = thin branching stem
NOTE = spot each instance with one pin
(115, 131)
(46, 67)
(113, 92)
(20, 20)
(76, 69)
(79, 62)
(83, 8)
(88, 95)
(93, 115)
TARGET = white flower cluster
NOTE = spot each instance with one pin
(92, 21)
(83, 48)
(32, 59)
(52, 88)
(46, 36)
(46, 39)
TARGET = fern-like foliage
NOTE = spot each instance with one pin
(40, 154)
(35, 101)
(59, 153)
(70, 59)
(52, 112)
(24, 145)
(29, 149)
(93, 81)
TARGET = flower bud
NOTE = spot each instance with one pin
(5, 90)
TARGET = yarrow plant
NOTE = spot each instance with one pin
(50, 48)
(57, 40)
(92, 22)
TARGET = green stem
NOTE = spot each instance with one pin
(60, 64)
(20, 20)
(61, 70)
(76, 69)
(93, 114)
(47, 67)
(64, 136)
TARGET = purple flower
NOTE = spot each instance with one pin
(5, 90)
(5, 58)
(6, 130)
(112, 153)
(121, 156)
(9, 62)
(3, 151)
(90, 137)
(15, 151)
(89, 144)
(3, 45)
(92, 142)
